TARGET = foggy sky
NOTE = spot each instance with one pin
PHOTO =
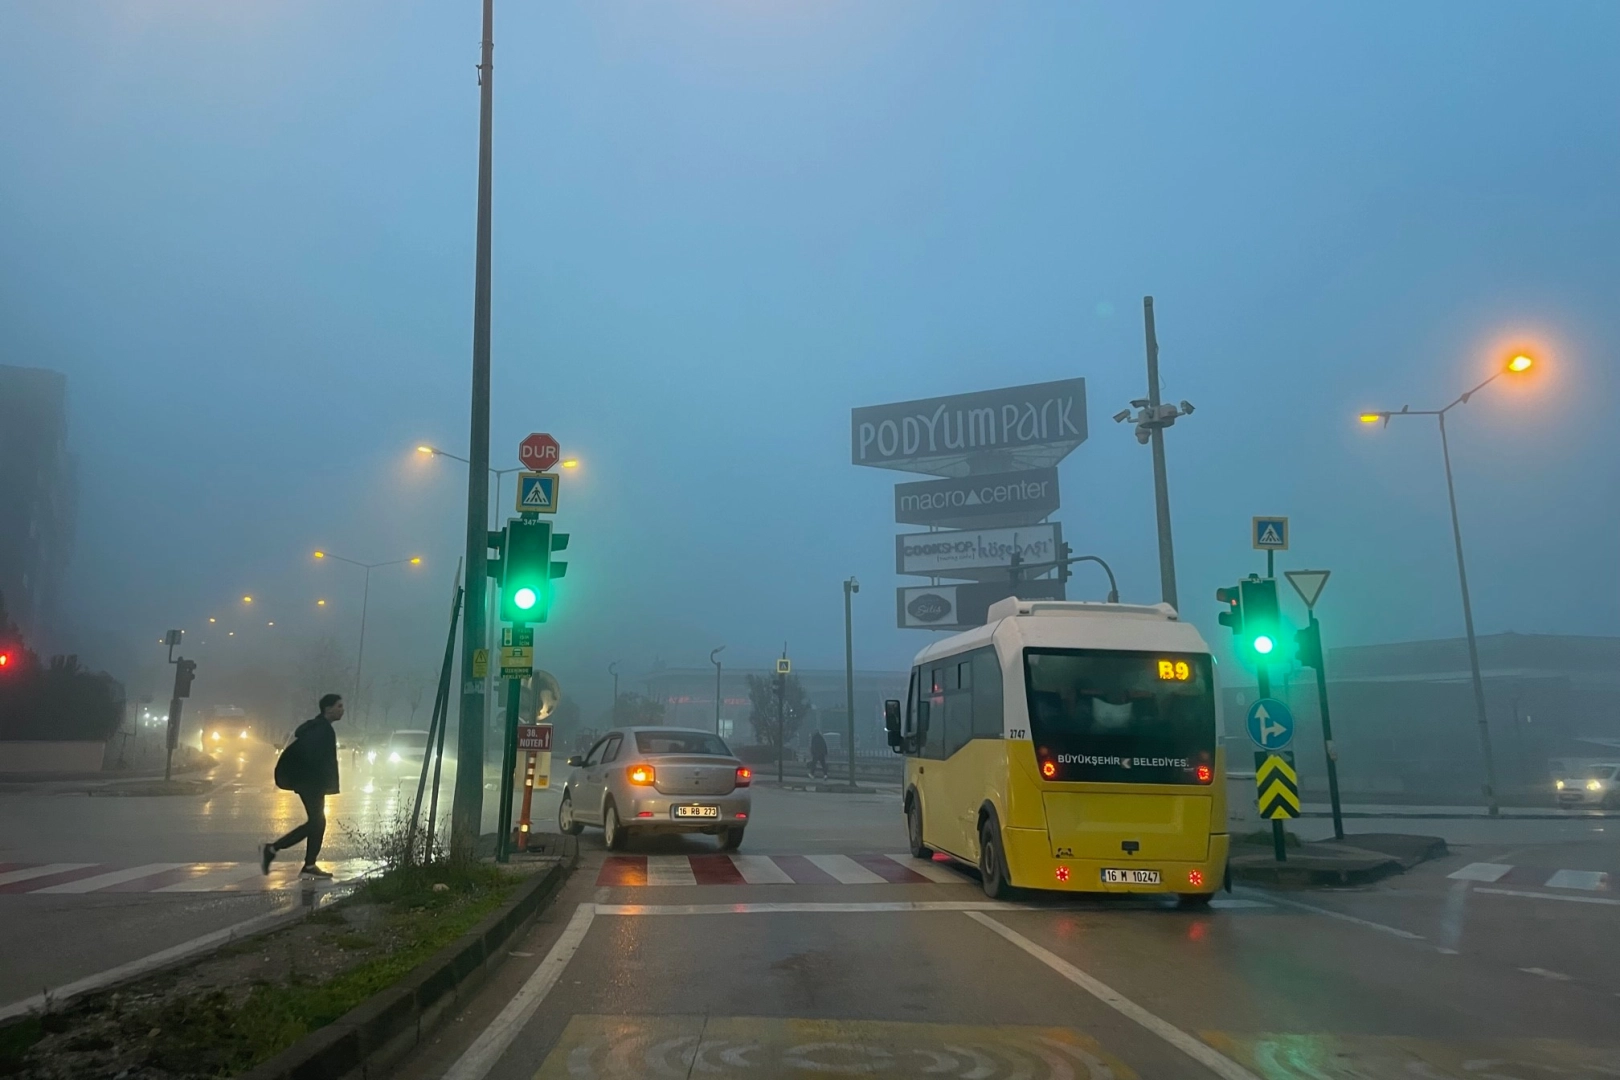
(245, 233)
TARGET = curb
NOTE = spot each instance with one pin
(373, 1036)
(1305, 870)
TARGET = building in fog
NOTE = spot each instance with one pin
(1405, 725)
(37, 499)
(688, 695)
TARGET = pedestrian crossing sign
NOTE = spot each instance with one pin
(537, 493)
(1276, 785)
(1270, 534)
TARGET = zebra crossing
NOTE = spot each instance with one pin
(1489, 873)
(723, 869)
(72, 878)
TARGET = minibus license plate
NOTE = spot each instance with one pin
(1130, 877)
(714, 812)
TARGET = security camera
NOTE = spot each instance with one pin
(1122, 416)
(1187, 408)
(1140, 403)
(1143, 434)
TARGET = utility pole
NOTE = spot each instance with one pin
(782, 669)
(468, 807)
(714, 658)
(613, 670)
(851, 587)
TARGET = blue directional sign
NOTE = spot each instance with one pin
(537, 493)
(1270, 534)
(1271, 725)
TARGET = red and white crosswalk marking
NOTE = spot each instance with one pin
(1508, 874)
(70, 879)
(718, 869)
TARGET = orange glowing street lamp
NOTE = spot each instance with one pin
(1517, 364)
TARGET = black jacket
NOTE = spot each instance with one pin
(309, 765)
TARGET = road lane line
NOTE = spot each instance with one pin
(669, 870)
(760, 870)
(1578, 879)
(1480, 871)
(1205, 1055)
(930, 869)
(805, 907)
(218, 876)
(1368, 923)
(1552, 896)
(846, 870)
(486, 1050)
(41, 871)
(116, 877)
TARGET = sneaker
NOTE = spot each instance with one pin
(314, 871)
(267, 855)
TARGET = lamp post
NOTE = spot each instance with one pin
(365, 601)
(851, 587)
(1519, 364)
(714, 658)
(613, 670)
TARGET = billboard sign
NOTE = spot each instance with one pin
(993, 431)
(1017, 498)
(959, 607)
(976, 554)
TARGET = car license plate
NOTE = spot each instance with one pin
(697, 811)
(1130, 877)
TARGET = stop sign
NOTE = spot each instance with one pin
(539, 452)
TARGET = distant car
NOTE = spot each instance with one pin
(401, 754)
(1588, 784)
(657, 779)
(227, 728)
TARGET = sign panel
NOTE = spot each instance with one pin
(539, 452)
(480, 663)
(516, 661)
(1270, 724)
(520, 635)
(958, 607)
(537, 493)
(993, 431)
(534, 737)
(1276, 785)
(976, 554)
(1018, 498)
(1308, 583)
(1270, 534)
(784, 666)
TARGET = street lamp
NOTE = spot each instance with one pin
(851, 587)
(365, 600)
(714, 658)
(1518, 364)
(613, 670)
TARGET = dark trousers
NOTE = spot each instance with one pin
(312, 831)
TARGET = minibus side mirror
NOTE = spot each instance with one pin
(891, 725)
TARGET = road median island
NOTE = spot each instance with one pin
(349, 988)
(1358, 859)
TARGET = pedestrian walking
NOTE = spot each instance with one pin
(309, 767)
(818, 754)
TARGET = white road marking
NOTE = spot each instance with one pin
(845, 870)
(760, 870)
(1578, 879)
(1207, 1056)
(1552, 896)
(670, 870)
(486, 1050)
(930, 869)
(1556, 976)
(217, 876)
(116, 877)
(147, 963)
(41, 871)
(1397, 931)
(805, 907)
(1480, 871)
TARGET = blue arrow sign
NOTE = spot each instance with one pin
(537, 493)
(1271, 725)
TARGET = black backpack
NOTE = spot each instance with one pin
(290, 766)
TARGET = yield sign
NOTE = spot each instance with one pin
(1308, 583)
(538, 452)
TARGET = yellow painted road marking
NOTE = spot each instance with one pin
(735, 1048)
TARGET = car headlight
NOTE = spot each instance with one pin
(371, 755)
(1559, 784)
(243, 735)
(1594, 785)
(394, 756)
(216, 736)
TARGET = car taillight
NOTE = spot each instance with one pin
(745, 776)
(1048, 769)
(1195, 878)
(1205, 774)
(1062, 873)
(641, 774)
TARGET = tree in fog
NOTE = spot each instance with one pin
(323, 668)
(633, 710)
(762, 708)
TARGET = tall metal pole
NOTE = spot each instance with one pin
(1468, 623)
(1161, 483)
(360, 659)
(468, 808)
(1327, 729)
(491, 690)
(849, 677)
(714, 658)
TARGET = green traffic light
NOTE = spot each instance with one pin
(1263, 645)
(525, 599)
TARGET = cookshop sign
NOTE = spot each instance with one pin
(1020, 427)
(977, 553)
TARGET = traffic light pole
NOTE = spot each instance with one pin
(1279, 845)
(1327, 729)
(503, 829)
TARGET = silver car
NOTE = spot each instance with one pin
(657, 779)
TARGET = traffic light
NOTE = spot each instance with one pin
(184, 672)
(1262, 620)
(1308, 643)
(1233, 615)
(527, 570)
